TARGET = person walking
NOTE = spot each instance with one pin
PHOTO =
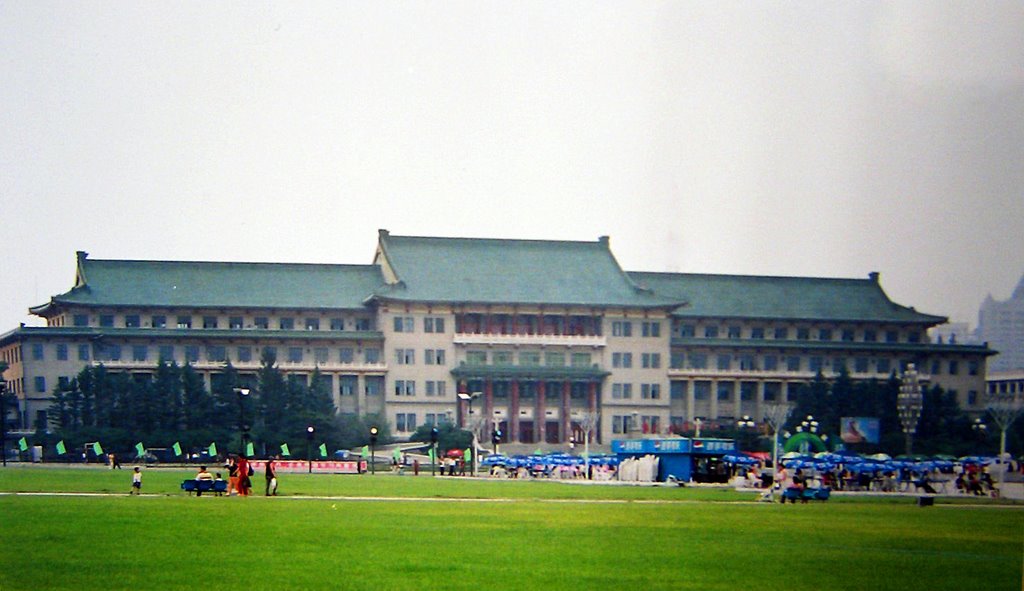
(232, 467)
(270, 473)
(136, 482)
(244, 473)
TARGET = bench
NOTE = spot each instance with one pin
(808, 494)
(217, 487)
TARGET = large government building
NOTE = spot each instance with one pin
(539, 334)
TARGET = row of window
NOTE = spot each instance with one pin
(813, 363)
(214, 353)
(647, 424)
(624, 391)
(528, 324)
(624, 360)
(407, 324)
(529, 358)
(849, 335)
(405, 422)
(233, 322)
(433, 388)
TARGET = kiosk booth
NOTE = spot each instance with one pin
(697, 459)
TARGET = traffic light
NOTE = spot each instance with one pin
(496, 437)
(433, 435)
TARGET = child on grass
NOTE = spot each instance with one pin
(136, 482)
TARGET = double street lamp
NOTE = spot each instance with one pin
(468, 397)
(373, 445)
(309, 447)
(243, 430)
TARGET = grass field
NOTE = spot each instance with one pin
(514, 535)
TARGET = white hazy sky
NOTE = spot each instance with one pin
(781, 138)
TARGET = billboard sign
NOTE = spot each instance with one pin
(859, 429)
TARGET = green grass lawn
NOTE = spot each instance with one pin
(534, 536)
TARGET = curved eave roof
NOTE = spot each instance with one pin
(196, 334)
(218, 285)
(781, 298)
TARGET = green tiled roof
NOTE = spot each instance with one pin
(228, 285)
(509, 271)
(810, 298)
(848, 346)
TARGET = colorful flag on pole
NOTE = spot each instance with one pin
(469, 454)
(431, 454)
(61, 450)
(22, 444)
(250, 451)
(397, 455)
(212, 450)
(284, 450)
(366, 451)
(140, 450)
(323, 450)
(177, 448)
(97, 448)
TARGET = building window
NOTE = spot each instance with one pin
(687, 331)
(261, 322)
(698, 361)
(286, 324)
(757, 333)
(476, 357)
(734, 332)
(650, 329)
(954, 368)
(140, 352)
(847, 335)
(676, 360)
(582, 360)
(839, 364)
(62, 352)
(132, 321)
(107, 320)
(167, 353)
(554, 359)
(294, 354)
(825, 334)
(433, 324)
(158, 321)
(270, 352)
(312, 324)
(405, 356)
(502, 358)
(435, 388)
(622, 360)
(711, 332)
(677, 390)
(83, 352)
(891, 336)
(747, 391)
(405, 388)
(972, 367)
(320, 354)
(860, 364)
(405, 421)
(434, 356)
(620, 424)
(725, 391)
(650, 360)
(184, 322)
(81, 320)
(883, 365)
(702, 390)
(37, 351)
(347, 385)
(346, 355)
(725, 362)
(622, 328)
(771, 363)
(972, 397)
(816, 363)
(914, 337)
(216, 353)
(529, 358)
(650, 391)
(870, 336)
(244, 354)
(803, 334)
(40, 385)
(191, 353)
(371, 355)
(209, 322)
(781, 333)
(337, 324)
(363, 324)
(747, 363)
(793, 363)
(404, 324)
(622, 391)
(236, 323)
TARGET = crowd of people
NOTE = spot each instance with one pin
(239, 483)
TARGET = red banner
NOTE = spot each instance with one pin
(320, 467)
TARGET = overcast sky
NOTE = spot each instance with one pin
(824, 139)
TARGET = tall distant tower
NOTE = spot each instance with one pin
(1001, 324)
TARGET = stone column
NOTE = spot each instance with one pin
(488, 408)
(691, 401)
(513, 412)
(566, 410)
(361, 395)
(541, 420)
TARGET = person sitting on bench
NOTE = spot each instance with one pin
(202, 476)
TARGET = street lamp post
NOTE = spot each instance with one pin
(242, 430)
(309, 447)
(909, 403)
(775, 414)
(468, 397)
(1004, 409)
(373, 446)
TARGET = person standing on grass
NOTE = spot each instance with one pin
(244, 472)
(271, 475)
(136, 482)
(232, 467)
